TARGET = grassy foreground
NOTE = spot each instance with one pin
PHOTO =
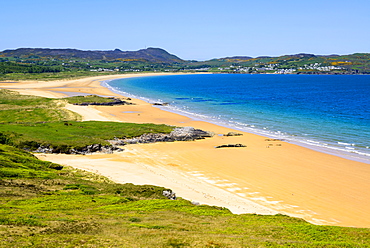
(43, 204)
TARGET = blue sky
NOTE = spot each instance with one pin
(190, 29)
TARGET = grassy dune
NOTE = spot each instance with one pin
(90, 99)
(16, 108)
(43, 205)
(65, 136)
(31, 121)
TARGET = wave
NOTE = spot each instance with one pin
(338, 148)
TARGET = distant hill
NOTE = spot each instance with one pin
(239, 58)
(25, 63)
(153, 55)
(357, 63)
(300, 55)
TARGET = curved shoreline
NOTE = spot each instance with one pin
(329, 149)
(284, 178)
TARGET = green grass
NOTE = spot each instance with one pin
(51, 76)
(88, 99)
(16, 108)
(13, 100)
(65, 136)
(30, 122)
(74, 208)
(17, 163)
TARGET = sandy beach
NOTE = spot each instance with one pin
(266, 177)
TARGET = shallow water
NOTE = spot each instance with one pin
(330, 113)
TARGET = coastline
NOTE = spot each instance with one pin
(310, 138)
(288, 179)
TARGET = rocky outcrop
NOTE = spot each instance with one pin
(178, 134)
(108, 149)
(96, 148)
(231, 145)
(169, 194)
(43, 149)
(115, 101)
(233, 134)
(161, 104)
(274, 139)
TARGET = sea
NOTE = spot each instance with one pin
(328, 113)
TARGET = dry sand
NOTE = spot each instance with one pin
(266, 177)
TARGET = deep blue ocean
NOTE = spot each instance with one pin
(330, 113)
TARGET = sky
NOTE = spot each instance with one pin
(192, 30)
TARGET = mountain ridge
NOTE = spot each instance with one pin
(150, 54)
(155, 55)
(49, 60)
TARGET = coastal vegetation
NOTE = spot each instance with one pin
(48, 205)
(48, 76)
(44, 204)
(65, 136)
(90, 99)
(31, 122)
(52, 64)
(17, 108)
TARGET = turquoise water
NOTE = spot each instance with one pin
(330, 113)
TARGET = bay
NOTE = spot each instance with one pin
(330, 113)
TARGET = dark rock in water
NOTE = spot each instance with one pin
(233, 134)
(161, 104)
(179, 134)
(231, 145)
(274, 139)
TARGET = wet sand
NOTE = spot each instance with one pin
(266, 177)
